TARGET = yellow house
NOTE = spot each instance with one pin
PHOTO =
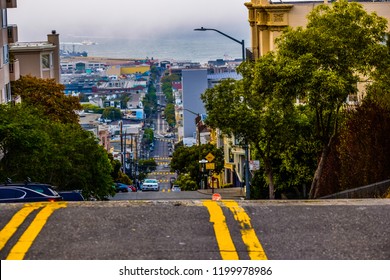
(118, 70)
(128, 70)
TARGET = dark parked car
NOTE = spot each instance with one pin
(31, 192)
(71, 196)
(120, 187)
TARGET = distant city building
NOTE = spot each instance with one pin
(9, 66)
(223, 65)
(194, 83)
(214, 79)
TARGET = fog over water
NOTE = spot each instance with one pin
(137, 28)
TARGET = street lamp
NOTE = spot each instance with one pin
(204, 176)
(197, 120)
(242, 43)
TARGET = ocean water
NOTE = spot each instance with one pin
(195, 48)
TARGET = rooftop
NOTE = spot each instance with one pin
(23, 46)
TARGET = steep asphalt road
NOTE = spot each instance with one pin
(197, 230)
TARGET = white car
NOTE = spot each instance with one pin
(150, 184)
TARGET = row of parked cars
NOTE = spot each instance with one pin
(35, 192)
(120, 187)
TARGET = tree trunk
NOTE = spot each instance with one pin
(315, 185)
(270, 176)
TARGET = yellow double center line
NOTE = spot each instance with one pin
(225, 242)
(25, 241)
(224, 239)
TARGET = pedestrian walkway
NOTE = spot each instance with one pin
(226, 193)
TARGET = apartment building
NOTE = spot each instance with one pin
(39, 59)
(268, 19)
(9, 67)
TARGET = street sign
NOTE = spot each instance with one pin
(210, 165)
(210, 157)
(254, 165)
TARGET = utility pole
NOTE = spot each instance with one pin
(124, 154)
(121, 139)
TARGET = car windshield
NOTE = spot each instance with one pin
(150, 181)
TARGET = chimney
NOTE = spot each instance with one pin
(54, 39)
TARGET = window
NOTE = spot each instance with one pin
(4, 21)
(46, 61)
(7, 193)
(5, 54)
(7, 90)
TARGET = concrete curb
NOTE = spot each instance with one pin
(226, 193)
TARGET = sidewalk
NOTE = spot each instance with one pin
(226, 193)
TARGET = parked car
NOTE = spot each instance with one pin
(172, 181)
(31, 192)
(39, 187)
(120, 187)
(150, 184)
(71, 196)
(176, 188)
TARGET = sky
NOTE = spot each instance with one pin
(137, 19)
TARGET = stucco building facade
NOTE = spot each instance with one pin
(39, 59)
(8, 68)
(267, 20)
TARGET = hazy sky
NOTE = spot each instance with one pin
(127, 18)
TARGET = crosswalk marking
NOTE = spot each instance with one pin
(162, 173)
(163, 158)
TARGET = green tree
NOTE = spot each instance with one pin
(154, 72)
(324, 62)
(255, 109)
(116, 174)
(90, 108)
(148, 135)
(186, 182)
(297, 161)
(171, 78)
(62, 154)
(150, 101)
(185, 160)
(167, 90)
(112, 113)
(167, 86)
(170, 114)
(48, 96)
(147, 165)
